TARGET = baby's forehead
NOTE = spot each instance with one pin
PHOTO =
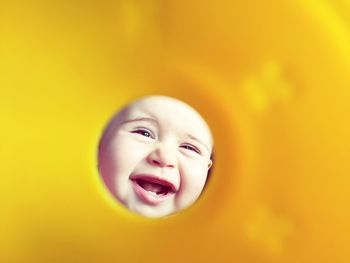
(168, 111)
(158, 104)
(164, 108)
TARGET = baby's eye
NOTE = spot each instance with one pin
(190, 148)
(144, 132)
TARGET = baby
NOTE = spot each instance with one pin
(154, 156)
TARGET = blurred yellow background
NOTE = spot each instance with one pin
(272, 79)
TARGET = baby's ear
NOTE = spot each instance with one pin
(210, 163)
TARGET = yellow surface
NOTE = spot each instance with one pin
(271, 77)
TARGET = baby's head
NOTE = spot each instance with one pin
(154, 156)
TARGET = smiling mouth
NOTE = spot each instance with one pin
(153, 187)
(152, 190)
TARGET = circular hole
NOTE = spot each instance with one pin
(155, 156)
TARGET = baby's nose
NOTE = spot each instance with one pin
(163, 157)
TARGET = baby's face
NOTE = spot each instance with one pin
(155, 156)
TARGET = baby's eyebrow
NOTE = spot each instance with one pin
(198, 140)
(140, 119)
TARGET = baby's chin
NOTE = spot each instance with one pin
(173, 205)
(151, 211)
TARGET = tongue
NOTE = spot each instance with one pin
(152, 187)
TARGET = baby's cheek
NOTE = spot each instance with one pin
(194, 180)
(126, 152)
